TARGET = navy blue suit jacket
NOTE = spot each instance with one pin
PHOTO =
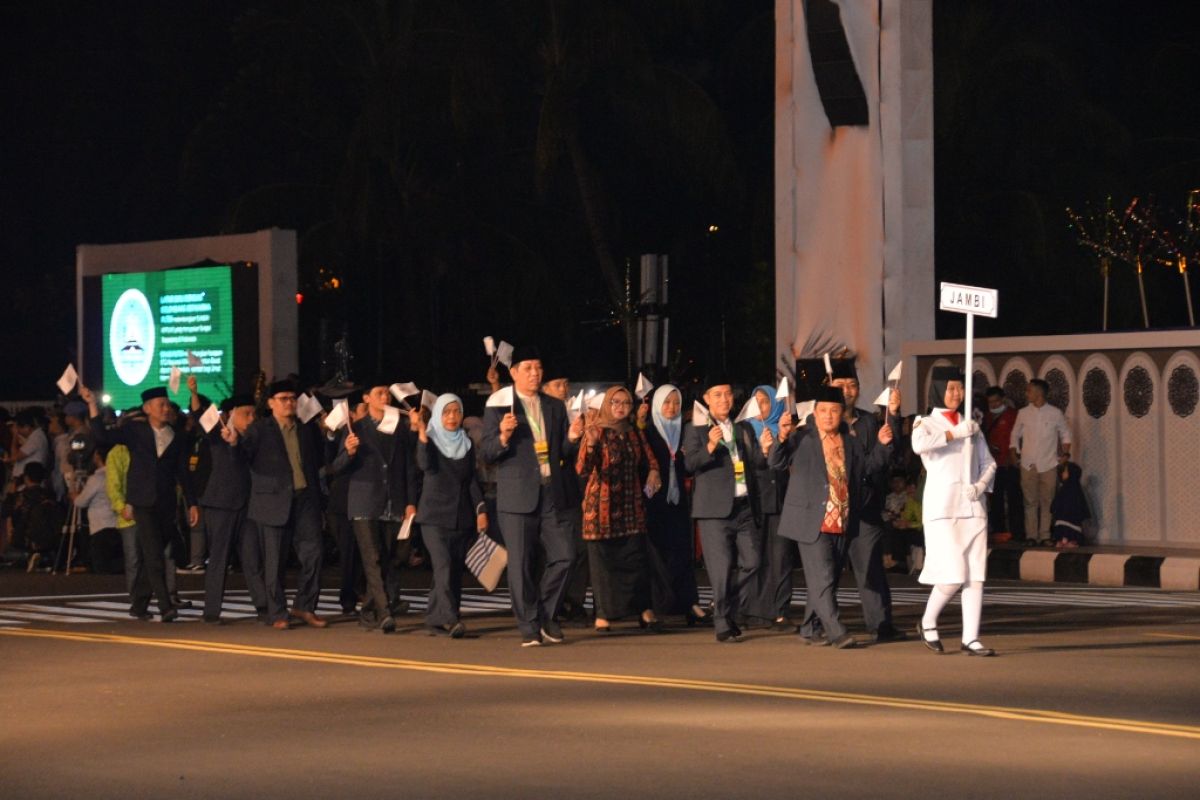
(518, 478)
(152, 478)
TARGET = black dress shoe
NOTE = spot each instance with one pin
(458, 630)
(179, 602)
(399, 608)
(551, 632)
(141, 614)
(653, 625)
(980, 651)
(735, 630)
(845, 642)
(694, 619)
(212, 620)
(817, 640)
(888, 633)
(731, 636)
(170, 615)
(783, 625)
(935, 645)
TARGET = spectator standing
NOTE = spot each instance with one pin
(1042, 440)
(103, 544)
(1005, 520)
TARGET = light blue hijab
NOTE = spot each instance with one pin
(669, 430)
(772, 420)
(451, 444)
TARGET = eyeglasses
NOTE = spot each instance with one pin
(620, 403)
(284, 398)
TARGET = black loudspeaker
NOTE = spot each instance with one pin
(841, 90)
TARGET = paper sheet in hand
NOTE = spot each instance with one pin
(828, 366)
(68, 380)
(643, 387)
(211, 418)
(803, 410)
(883, 398)
(489, 345)
(893, 383)
(894, 375)
(391, 417)
(194, 360)
(501, 399)
(173, 381)
(504, 354)
(596, 401)
(575, 407)
(428, 398)
(700, 415)
(406, 528)
(751, 409)
(307, 407)
(784, 393)
(339, 416)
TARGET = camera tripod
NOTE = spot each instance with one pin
(71, 526)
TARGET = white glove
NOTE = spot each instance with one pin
(965, 429)
(973, 491)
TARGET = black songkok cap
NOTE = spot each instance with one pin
(153, 392)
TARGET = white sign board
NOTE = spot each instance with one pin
(969, 300)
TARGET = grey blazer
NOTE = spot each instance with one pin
(713, 481)
(518, 478)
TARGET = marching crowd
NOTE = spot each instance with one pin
(610, 494)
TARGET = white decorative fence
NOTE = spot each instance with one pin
(1132, 401)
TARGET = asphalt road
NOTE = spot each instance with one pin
(1095, 694)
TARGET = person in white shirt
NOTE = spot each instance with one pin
(954, 513)
(102, 546)
(1043, 440)
(30, 444)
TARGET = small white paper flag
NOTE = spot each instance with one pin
(575, 407)
(803, 410)
(501, 399)
(173, 381)
(784, 392)
(402, 391)
(504, 354)
(68, 380)
(894, 375)
(428, 398)
(828, 366)
(211, 418)
(643, 387)
(338, 416)
(700, 414)
(883, 398)
(194, 360)
(596, 401)
(749, 410)
(391, 416)
(489, 345)
(307, 407)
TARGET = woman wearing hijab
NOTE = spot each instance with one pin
(779, 554)
(451, 509)
(667, 515)
(954, 514)
(1069, 507)
(614, 518)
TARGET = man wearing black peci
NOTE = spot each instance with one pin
(158, 463)
(533, 449)
(285, 456)
(865, 551)
(721, 504)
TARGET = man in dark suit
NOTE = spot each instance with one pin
(534, 451)
(721, 503)
(285, 458)
(158, 463)
(376, 453)
(866, 549)
(223, 503)
(822, 506)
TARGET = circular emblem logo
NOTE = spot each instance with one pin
(131, 337)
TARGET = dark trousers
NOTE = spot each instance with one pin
(673, 574)
(732, 548)
(227, 529)
(549, 530)
(1006, 508)
(376, 543)
(349, 562)
(155, 528)
(303, 529)
(775, 579)
(865, 553)
(823, 562)
(447, 549)
(577, 586)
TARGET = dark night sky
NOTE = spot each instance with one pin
(1038, 105)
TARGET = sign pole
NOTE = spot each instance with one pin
(970, 375)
